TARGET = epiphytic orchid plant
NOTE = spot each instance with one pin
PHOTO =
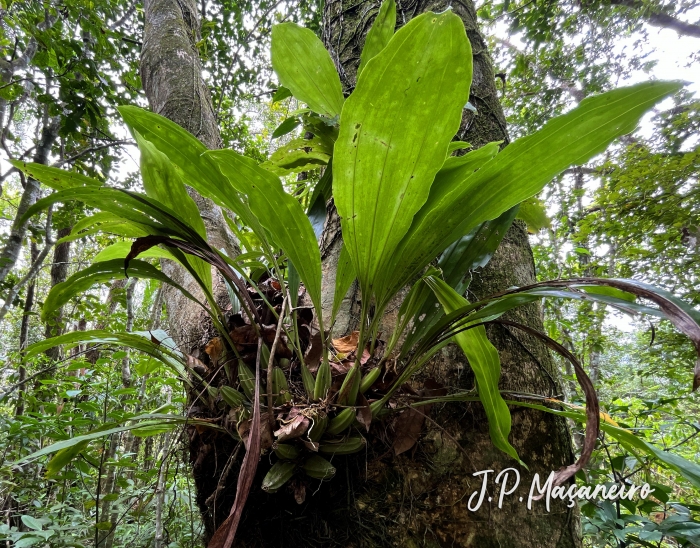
(404, 201)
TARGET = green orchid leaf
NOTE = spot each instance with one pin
(163, 183)
(299, 155)
(289, 125)
(186, 153)
(144, 342)
(83, 280)
(303, 65)
(379, 35)
(484, 361)
(519, 172)
(688, 469)
(55, 178)
(344, 276)
(279, 213)
(120, 250)
(148, 420)
(462, 257)
(104, 222)
(394, 133)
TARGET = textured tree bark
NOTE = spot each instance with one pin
(31, 193)
(59, 273)
(172, 79)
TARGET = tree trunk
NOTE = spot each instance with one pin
(59, 273)
(171, 75)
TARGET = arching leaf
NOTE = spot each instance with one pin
(486, 365)
(83, 280)
(520, 171)
(279, 213)
(303, 65)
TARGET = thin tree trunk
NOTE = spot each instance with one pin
(24, 333)
(32, 190)
(160, 488)
(59, 273)
(111, 486)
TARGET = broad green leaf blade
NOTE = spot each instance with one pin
(534, 213)
(299, 155)
(121, 249)
(303, 65)
(144, 342)
(132, 207)
(484, 361)
(186, 152)
(463, 256)
(379, 35)
(344, 276)
(474, 250)
(163, 183)
(83, 280)
(279, 213)
(56, 178)
(289, 125)
(520, 171)
(394, 132)
(106, 223)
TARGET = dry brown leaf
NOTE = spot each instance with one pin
(347, 344)
(409, 425)
(214, 349)
(312, 358)
(295, 428)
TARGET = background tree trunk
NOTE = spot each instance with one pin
(172, 79)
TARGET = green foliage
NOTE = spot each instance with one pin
(405, 204)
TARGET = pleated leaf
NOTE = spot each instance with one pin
(304, 66)
(463, 256)
(83, 280)
(344, 276)
(484, 361)
(394, 133)
(163, 183)
(186, 153)
(140, 342)
(121, 249)
(520, 171)
(278, 212)
(379, 35)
